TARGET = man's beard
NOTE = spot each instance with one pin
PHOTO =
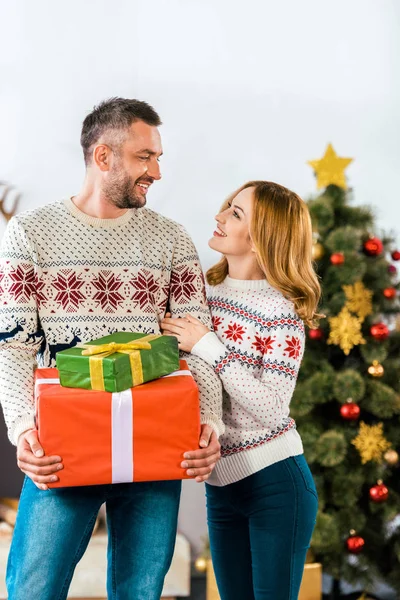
(119, 191)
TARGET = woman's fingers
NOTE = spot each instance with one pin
(172, 329)
(193, 320)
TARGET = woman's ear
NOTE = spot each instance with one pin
(252, 246)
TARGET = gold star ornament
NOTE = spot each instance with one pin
(330, 169)
(371, 443)
(345, 330)
(359, 299)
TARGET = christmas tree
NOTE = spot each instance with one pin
(347, 398)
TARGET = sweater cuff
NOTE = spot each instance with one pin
(22, 424)
(214, 422)
(209, 348)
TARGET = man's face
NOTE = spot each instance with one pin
(135, 166)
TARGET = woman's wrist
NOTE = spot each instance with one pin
(209, 348)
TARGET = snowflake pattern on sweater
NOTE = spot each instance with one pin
(68, 278)
(256, 349)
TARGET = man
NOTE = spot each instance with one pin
(77, 270)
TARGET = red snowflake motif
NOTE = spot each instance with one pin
(263, 344)
(107, 295)
(68, 287)
(182, 284)
(235, 332)
(40, 297)
(1, 279)
(145, 289)
(216, 321)
(162, 298)
(23, 286)
(293, 347)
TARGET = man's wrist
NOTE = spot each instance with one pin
(24, 423)
(26, 431)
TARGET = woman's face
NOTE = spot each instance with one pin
(232, 235)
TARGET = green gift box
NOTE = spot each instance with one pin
(118, 362)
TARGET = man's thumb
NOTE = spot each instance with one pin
(205, 437)
(33, 441)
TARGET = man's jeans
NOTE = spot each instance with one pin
(53, 529)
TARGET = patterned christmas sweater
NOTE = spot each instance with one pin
(66, 278)
(256, 350)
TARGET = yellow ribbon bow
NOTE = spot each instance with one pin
(98, 352)
(112, 347)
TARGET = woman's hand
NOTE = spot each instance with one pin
(188, 330)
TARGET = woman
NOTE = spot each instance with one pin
(261, 497)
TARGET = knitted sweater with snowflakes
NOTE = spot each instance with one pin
(66, 277)
(256, 350)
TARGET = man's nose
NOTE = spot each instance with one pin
(154, 170)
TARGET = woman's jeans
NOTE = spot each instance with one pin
(53, 529)
(260, 529)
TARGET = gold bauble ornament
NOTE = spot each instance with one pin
(201, 564)
(391, 457)
(330, 169)
(376, 369)
(317, 251)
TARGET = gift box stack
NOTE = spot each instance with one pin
(118, 409)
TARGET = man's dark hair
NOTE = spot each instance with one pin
(115, 116)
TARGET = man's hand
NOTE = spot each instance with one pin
(32, 461)
(200, 463)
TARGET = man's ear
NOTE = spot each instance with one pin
(102, 157)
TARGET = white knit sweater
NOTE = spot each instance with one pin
(67, 278)
(256, 350)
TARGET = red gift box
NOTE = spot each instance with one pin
(139, 434)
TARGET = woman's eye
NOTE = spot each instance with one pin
(235, 214)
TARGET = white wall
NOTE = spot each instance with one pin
(246, 90)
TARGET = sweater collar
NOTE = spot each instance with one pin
(94, 221)
(247, 284)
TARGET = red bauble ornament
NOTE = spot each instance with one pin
(355, 544)
(337, 258)
(373, 246)
(392, 270)
(350, 411)
(316, 334)
(396, 255)
(390, 293)
(379, 331)
(379, 492)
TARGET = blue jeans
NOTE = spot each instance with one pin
(53, 529)
(260, 529)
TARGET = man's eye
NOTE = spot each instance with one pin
(144, 157)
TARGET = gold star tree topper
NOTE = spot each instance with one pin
(371, 443)
(359, 299)
(345, 330)
(330, 169)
